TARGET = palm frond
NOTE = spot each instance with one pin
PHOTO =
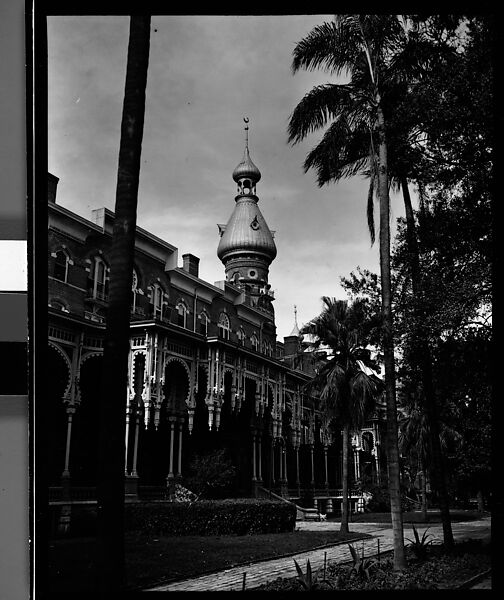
(322, 103)
(341, 153)
(331, 46)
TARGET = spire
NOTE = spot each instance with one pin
(246, 121)
(295, 330)
(246, 173)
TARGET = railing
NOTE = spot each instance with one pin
(152, 492)
(76, 494)
(55, 494)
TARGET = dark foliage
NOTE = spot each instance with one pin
(212, 517)
(440, 570)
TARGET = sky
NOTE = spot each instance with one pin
(206, 73)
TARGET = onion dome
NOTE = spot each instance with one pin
(246, 169)
(247, 231)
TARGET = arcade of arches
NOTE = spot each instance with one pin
(181, 405)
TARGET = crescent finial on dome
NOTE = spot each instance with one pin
(246, 168)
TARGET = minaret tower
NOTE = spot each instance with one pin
(246, 247)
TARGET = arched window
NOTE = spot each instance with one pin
(223, 326)
(255, 342)
(269, 349)
(204, 320)
(99, 278)
(157, 301)
(241, 336)
(367, 441)
(61, 263)
(182, 312)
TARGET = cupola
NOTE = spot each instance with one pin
(246, 247)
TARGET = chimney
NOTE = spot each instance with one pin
(191, 264)
(52, 184)
(291, 345)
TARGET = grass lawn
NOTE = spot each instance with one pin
(153, 559)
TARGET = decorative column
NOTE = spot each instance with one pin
(128, 417)
(181, 428)
(272, 462)
(280, 462)
(312, 481)
(172, 436)
(326, 469)
(356, 465)
(254, 469)
(66, 471)
(259, 458)
(285, 484)
(298, 481)
(135, 446)
(377, 461)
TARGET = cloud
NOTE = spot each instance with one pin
(205, 74)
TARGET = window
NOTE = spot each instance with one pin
(223, 326)
(182, 312)
(241, 336)
(61, 263)
(157, 294)
(99, 279)
(58, 305)
(255, 342)
(204, 320)
(367, 441)
(97, 315)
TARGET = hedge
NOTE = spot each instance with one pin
(211, 517)
(206, 517)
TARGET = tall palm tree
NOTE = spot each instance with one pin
(347, 392)
(348, 147)
(416, 438)
(363, 47)
(110, 489)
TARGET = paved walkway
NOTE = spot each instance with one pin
(262, 572)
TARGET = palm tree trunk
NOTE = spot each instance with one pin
(424, 495)
(110, 488)
(344, 481)
(424, 352)
(388, 351)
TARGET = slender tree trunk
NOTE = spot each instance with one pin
(112, 414)
(388, 351)
(344, 481)
(424, 497)
(481, 503)
(424, 352)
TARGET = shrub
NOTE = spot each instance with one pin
(420, 544)
(360, 565)
(211, 517)
(211, 474)
(380, 498)
(309, 581)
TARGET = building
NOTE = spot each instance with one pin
(206, 370)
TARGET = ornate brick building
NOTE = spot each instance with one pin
(206, 370)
